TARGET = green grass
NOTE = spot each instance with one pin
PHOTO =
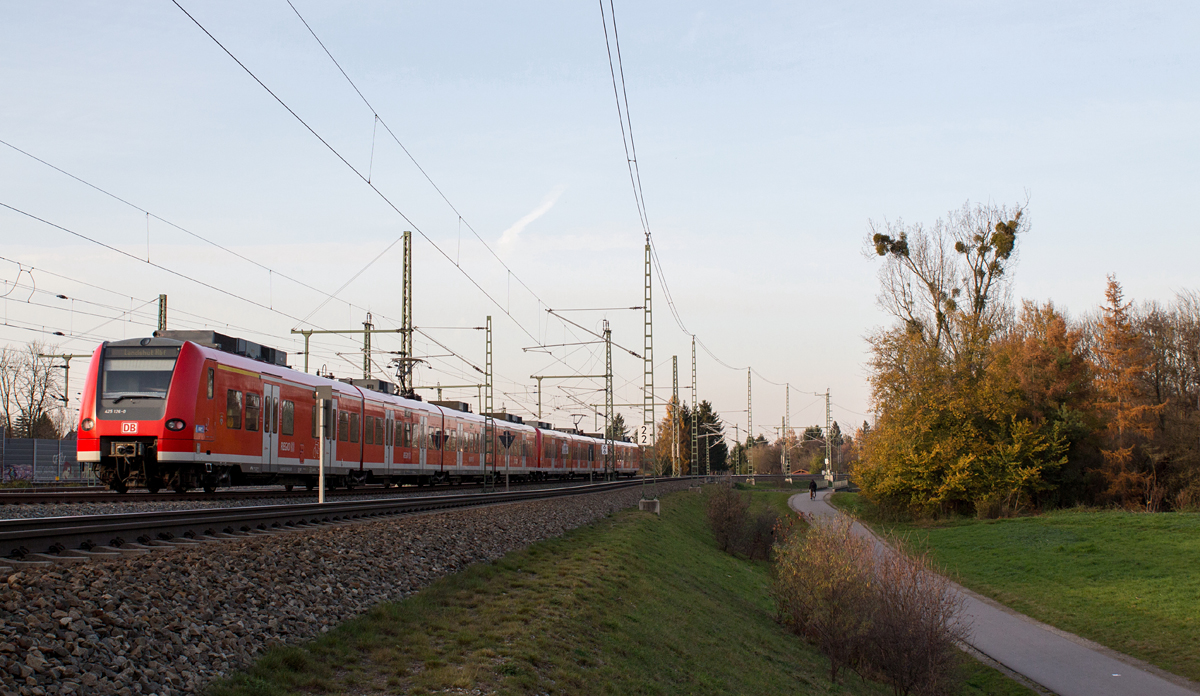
(1128, 581)
(631, 605)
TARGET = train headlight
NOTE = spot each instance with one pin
(87, 424)
(176, 424)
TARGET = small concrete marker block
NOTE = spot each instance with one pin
(649, 506)
(695, 489)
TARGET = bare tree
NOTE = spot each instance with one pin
(948, 282)
(30, 389)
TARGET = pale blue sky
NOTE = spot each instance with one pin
(768, 136)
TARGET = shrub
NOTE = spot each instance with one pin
(822, 584)
(915, 629)
(759, 534)
(727, 516)
(885, 615)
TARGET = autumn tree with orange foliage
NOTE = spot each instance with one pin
(1122, 363)
(955, 432)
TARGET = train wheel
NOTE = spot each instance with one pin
(288, 487)
(309, 485)
(180, 488)
(210, 488)
(154, 486)
(119, 486)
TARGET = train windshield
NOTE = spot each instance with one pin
(137, 372)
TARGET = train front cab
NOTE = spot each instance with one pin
(137, 409)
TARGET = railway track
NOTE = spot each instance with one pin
(104, 495)
(78, 538)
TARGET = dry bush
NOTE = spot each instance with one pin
(885, 615)
(914, 626)
(1188, 499)
(759, 535)
(822, 584)
(727, 516)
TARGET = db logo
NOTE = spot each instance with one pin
(129, 428)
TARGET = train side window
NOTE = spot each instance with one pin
(253, 408)
(344, 426)
(353, 427)
(315, 408)
(211, 381)
(387, 435)
(289, 418)
(233, 409)
(369, 431)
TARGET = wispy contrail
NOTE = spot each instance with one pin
(509, 238)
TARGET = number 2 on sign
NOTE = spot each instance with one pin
(129, 428)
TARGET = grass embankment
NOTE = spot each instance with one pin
(1125, 580)
(631, 605)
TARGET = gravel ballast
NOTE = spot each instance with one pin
(27, 511)
(171, 621)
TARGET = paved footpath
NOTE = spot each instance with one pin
(1058, 661)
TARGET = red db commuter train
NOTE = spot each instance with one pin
(197, 409)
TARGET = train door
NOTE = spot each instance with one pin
(458, 447)
(270, 426)
(421, 442)
(335, 431)
(389, 427)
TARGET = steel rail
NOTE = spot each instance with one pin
(104, 495)
(57, 534)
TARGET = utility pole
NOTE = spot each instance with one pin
(367, 326)
(608, 404)
(162, 312)
(648, 425)
(749, 406)
(366, 332)
(406, 321)
(787, 425)
(489, 446)
(828, 435)
(675, 415)
(695, 415)
(66, 366)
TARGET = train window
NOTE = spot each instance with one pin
(233, 409)
(344, 426)
(353, 427)
(379, 431)
(289, 418)
(369, 431)
(401, 427)
(314, 421)
(387, 435)
(253, 408)
(211, 381)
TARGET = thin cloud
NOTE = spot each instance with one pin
(511, 235)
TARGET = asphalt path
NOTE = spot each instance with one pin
(1060, 662)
